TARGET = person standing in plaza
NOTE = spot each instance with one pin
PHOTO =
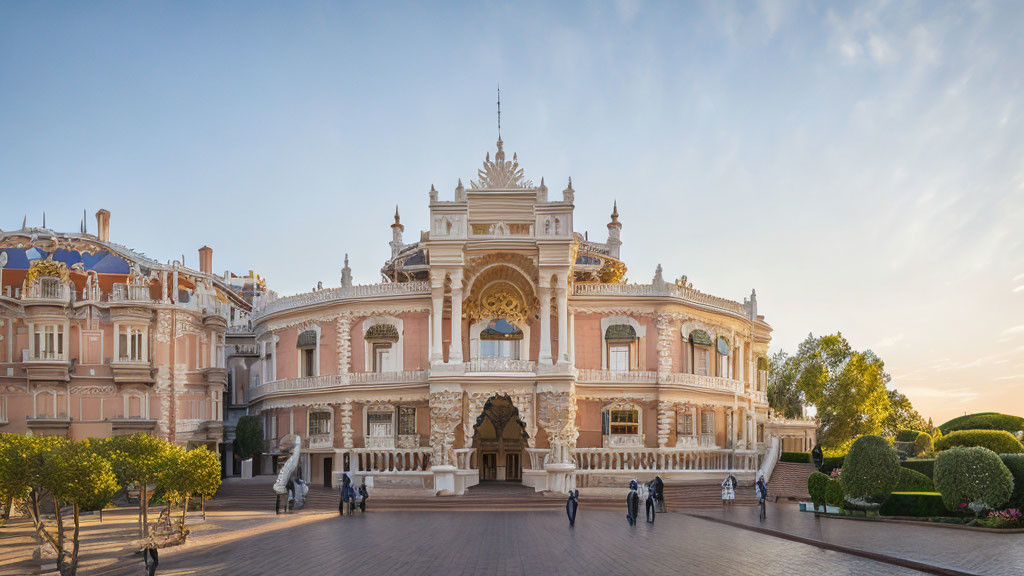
(363, 495)
(761, 489)
(729, 490)
(572, 505)
(348, 496)
(632, 503)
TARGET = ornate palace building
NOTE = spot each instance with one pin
(97, 339)
(503, 345)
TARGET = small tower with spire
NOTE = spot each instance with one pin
(396, 234)
(346, 274)
(569, 195)
(614, 231)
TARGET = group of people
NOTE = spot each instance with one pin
(651, 493)
(352, 497)
(730, 484)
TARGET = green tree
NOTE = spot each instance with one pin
(902, 416)
(190, 473)
(783, 395)
(248, 437)
(75, 476)
(21, 470)
(139, 459)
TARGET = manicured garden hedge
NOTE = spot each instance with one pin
(1015, 463)
(831, 463)
(913, 481)
(834, 492)
(797, 457)
(984, 421)
(974, 476)
(871, 470)
(907, 435)
(925, 466)
(817, 483)
(917, 504)
(998, 441)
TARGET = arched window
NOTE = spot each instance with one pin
(383, 341)
(306, 344)
(621, 341)
(700, 343)
(722, 348)
(501, 339)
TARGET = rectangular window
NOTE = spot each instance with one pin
(130, 344)
(499, 349)
(308, 362)
(319, 423)
(382, 354)
(624, 422)
(49, 342)
(700, 356)
(406, 420)
(618, 358)
(380, 424)
(686, 425)
(707, 422)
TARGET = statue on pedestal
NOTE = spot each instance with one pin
(286, 484)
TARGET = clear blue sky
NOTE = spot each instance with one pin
(861, 165)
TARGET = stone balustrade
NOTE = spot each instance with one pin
(634, 376)
(464, 458)
(700, 381)
(129, 293)
(319, 441)
(660, 290)
(48, 289)
(538, 457)
(333, 381)
(269, 303)
(662, 460)
(500, 365)
(390, 460)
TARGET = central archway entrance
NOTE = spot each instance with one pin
(500, 437)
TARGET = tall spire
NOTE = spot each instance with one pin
(499, 112)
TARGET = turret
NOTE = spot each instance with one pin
(569, 195)
(614, 230)
(346, 274)
(396, 233)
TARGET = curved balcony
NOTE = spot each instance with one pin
(270, 303)
(336, 381)
(47, 290)
(665, 290)
(698, 381)
(612, 377)
(713, 383)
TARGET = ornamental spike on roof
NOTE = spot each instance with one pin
(500, 174)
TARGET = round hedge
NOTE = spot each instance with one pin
(1015, 463)
(998, 441)
(984, 421)
(871, 470)
(816, 485)
(834, 492)
(913, 481)
(974, 476)
(923, 443)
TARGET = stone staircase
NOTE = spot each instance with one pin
(704, 496)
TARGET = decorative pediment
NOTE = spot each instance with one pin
(500, 174)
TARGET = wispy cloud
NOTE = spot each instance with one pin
(1012, 330)
(889, 341)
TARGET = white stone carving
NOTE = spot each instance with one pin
(445, 409)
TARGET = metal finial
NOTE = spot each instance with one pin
(499, 111)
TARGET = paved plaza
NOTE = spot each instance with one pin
(498, 543)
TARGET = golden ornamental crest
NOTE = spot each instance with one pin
(499, 301)
(46, 269)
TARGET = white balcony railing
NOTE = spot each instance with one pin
(130, 293)
(47, 288)
(390, 461)
(636, 376)
(699, 381)
(330, 381)
(47, 356)
(663, 290)
(500, 365)
(269, 302)
(316, 441)
(593, 460)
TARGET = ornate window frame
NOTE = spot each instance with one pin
(398, 357)
(131, 328)
(641, 333)
(609, 440)
(315, 328)
(381, 441)
(478, 327)
(143, 397)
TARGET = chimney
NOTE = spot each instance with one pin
(206, 260)
(103, 225)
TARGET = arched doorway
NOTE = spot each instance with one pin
(499, 437)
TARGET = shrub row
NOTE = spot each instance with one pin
(913, 481)
(925, 466)
(917, 504)
(797, 457)
(831, 463)
(1015, 464)
(907, 435)
(998, 441)
(984, 421)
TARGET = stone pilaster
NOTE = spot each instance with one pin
(344, 331)
(556, 412)
(666, 415)
(445, 413)
(664, 344)
(344, 413)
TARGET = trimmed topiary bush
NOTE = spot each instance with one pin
(870, 471)
(974, 476)
(834, 492)
(916, 504)
(984, 421)
(925, 466)
(913, 481)
(998, 441)
(923, 443)
(1015, 464)
(796, 457)
(816, 485)
(907, 435)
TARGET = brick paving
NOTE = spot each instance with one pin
(500, 543)
(961, 550)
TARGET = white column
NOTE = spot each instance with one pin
(437, 311)
(174, 287)
(163, 286)
(455, 352)
(563, 320)
(545, 324)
